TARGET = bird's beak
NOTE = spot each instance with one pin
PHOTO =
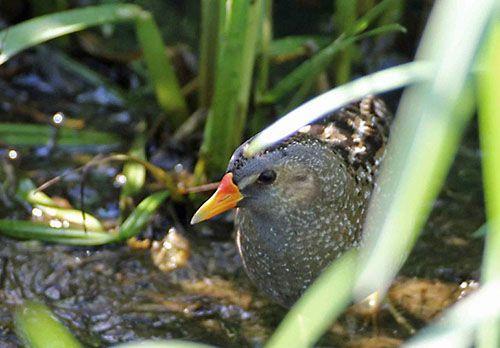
(226, 197)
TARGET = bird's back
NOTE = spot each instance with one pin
(358, 132)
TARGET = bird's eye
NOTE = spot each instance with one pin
(267, 177)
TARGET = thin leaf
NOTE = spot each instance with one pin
(138, 219)
(489, 128)
(135, 172)
(160, 69)
(22, 134)
(295, 46)
(48, 207)
(313, 66)
(40, 29)
(211, 22)
(334, 99)
(223, 129)
(345, 17)
(38, 231)
(424, 139)
(369, 17)
(38, 327)
(309, 81)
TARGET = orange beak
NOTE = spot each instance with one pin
(226, 197)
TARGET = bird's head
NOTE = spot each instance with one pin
(280, 180)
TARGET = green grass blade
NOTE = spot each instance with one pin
(89, 75)
(311, 78)
(38, 231)
(315, 65)
(334, 99)
(489, 127)
(209, 46)
(266, 37)
(295, 46)
(160, 69)
(141, 215)
(22, 134)
(135, 172)
(424, 139)
(26, 191)
(253, 29)
(40, 29)
(345, 16)
(324, 301)
(369, 17)
(38, 327)
(319, 62)
(234, 70)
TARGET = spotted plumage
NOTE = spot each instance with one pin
(302, 202)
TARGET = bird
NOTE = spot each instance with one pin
(302, 202)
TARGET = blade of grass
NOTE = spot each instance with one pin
(41, 29)
(345, 17)
(211, 22)
(289, 47)
(38, 327)
(38, 231)
(135, 172)
(141, 215)
(88, 74)
(330, 52)
(318, 307)
(22, 134)
(253, 29)
(266, 37)
(489, 127)
(316, 64)
(27, 191)
(160, 69)
(234, 70)
(336, 98)
(424, 139)
(163, 177)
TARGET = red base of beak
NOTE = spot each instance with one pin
(226, 197)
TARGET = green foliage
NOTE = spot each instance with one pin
(39, 328)
(21, 134)
(233, 72)
(319, 62)
(379, 82)
(489, 126)
(41, 29)
(428, 127)
(212, 20)
(161, 72)
(141, 215)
